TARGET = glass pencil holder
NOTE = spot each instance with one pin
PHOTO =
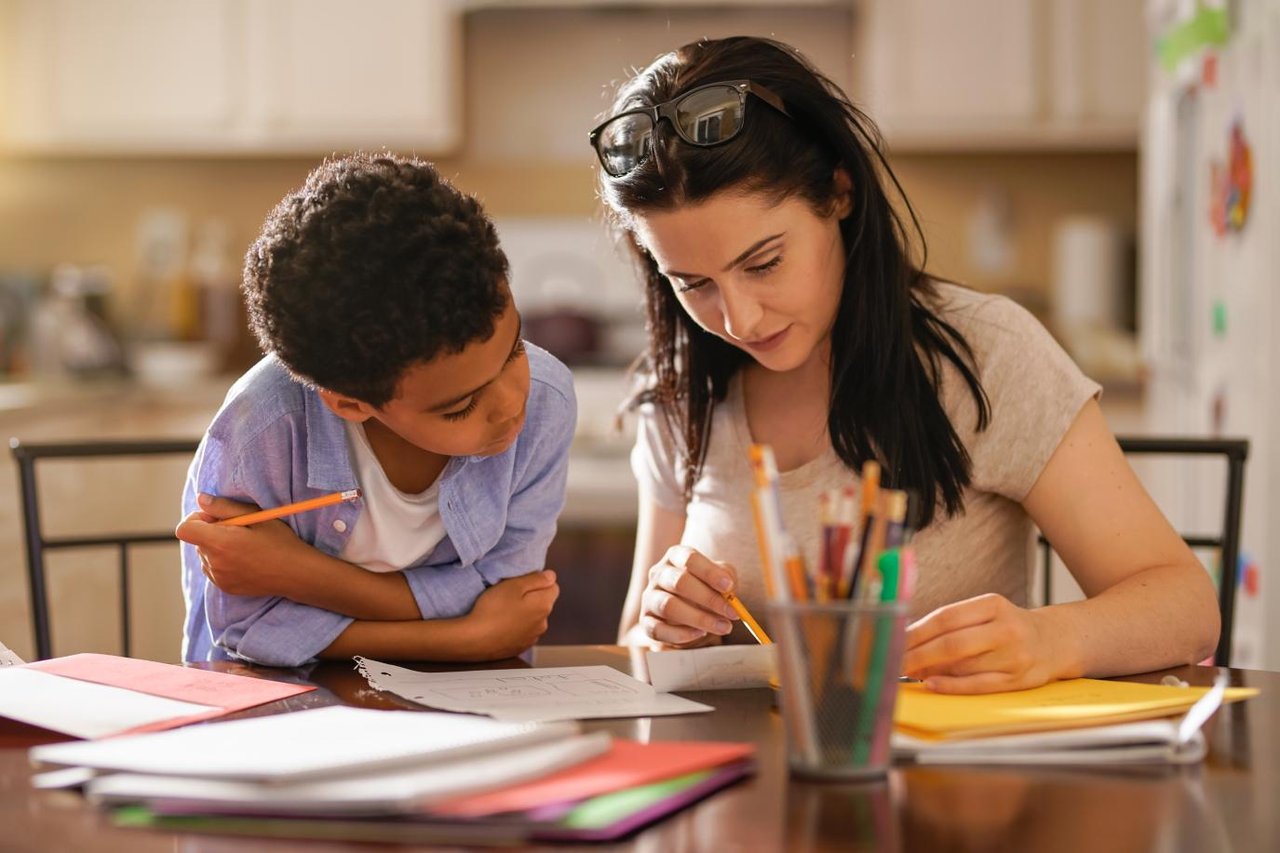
(838, 666)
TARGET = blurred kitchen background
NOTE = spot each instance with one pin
(143, 141)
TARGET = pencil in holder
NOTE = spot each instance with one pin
(838, 664)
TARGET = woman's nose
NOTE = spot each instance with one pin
(741, 314)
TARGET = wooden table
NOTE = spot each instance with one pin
(1230, 803)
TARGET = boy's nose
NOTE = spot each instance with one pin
(509, 395)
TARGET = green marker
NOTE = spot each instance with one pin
(888, 565)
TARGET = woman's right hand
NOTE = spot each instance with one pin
(683, 602)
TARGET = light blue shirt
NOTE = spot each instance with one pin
(275, 442)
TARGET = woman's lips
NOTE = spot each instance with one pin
(765, 344)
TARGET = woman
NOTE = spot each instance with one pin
(784, 308)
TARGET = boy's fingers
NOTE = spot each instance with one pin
(194, 529)
(533, 581)
(220, 508)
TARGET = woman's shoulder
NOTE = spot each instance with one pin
(991, 325)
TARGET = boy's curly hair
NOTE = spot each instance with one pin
(375, 264)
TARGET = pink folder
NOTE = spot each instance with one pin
(224, 691)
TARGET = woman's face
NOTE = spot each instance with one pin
(765, 277)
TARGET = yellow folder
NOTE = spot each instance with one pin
(1074, 703)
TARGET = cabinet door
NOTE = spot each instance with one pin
(942, 66)
(230, 76)
(1099, 58)
(984, 74)
(339, 75)
(134, 74)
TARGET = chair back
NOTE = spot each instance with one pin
(1235, 451)
(38, 544)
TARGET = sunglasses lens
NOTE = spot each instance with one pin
(710, 116)
(624, 142)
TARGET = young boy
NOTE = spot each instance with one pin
(395, 366)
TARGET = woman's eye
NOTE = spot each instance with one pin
(691, 286)
(462, 413)
(765, 267)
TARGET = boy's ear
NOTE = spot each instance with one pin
(347, 408)
(844, 194)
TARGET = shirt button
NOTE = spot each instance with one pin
(340, 526)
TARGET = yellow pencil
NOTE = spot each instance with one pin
(291, 509)
(752, 625)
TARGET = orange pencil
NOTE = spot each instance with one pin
(291, 509)
(752, 625)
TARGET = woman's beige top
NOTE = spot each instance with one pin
(1035, 390)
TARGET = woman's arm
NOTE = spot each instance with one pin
(657, 529)
(1150, 603)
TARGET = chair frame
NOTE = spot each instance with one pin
(1236, 452)
(38, 544)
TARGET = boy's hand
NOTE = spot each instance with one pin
(511, 615)
(251, 561)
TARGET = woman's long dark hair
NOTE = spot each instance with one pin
(887, 347)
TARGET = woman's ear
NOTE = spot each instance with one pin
(843, 201)
(347, 408)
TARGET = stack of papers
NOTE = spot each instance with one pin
(413, 776)
(92, 695)
(530, 695)
(1079, 721)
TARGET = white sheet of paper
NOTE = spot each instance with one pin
(311, 744)
(82, 708)
(712, 668)
(388, 790)
(528, 695)
(8, 658)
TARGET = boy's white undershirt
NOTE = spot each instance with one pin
(394, 529)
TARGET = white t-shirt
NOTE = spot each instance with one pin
(1035, 391)
(394, 529)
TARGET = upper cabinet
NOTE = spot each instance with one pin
(231, 76)
(1003, 74)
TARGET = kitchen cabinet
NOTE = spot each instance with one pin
(231, 76)
(1003, 74)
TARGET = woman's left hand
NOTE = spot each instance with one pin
(983, 645)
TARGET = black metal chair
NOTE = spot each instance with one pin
(38, 543)
(1236, 452)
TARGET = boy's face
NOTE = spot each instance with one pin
(470, 403)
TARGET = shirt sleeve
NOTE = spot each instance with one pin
(267, 630)
(655, 460)
(531, 513)
(1036, 392)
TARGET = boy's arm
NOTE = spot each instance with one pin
(506, 619)
(268, 559)
(531, 513)
(265, 629)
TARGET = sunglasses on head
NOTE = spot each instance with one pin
(708, 115)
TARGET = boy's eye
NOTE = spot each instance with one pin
(463, 412)
(517, 352)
